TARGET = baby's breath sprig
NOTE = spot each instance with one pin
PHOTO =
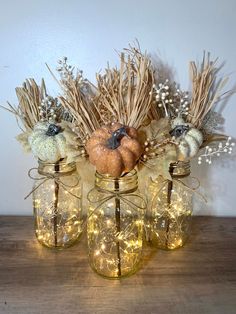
(216, 151)
(67, 72)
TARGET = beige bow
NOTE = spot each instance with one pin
(48, 176)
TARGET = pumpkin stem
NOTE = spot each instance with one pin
(53, 130)
(114, 141)
(179, 130)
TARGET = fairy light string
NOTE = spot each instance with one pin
(113, 260)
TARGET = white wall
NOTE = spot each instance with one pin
(88, 32)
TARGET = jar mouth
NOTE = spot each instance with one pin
(60, 167)
(60, 161)
(126, 182)
(181, 169)
(128, 175)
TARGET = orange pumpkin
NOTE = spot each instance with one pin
(114, 149)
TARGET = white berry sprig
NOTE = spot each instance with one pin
(48, 109)
(216, 151)
(52, 111)
(183, 99)
(174, 101)
(162, 96)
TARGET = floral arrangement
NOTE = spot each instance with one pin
(46, 124)
(124, 98)
(184, 123)
(96, 126)
(132, 115)
(133, 119)
(121, 102)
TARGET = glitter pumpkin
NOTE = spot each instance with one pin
(188, 137)
(47, 142)
(114, 149)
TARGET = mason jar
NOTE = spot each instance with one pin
(57, 201)
(170, 208)
(115, 225)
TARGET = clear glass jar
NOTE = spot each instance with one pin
(170, 208)
(115, 225)
(57, 200)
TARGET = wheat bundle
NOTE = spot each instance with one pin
(30, 96)
(207, 89)
(125, 94)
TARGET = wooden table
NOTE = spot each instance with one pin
(199, 278)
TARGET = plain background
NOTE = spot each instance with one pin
(89, 33)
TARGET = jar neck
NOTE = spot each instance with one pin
(125, 184)
(60, 168)
(180, 169)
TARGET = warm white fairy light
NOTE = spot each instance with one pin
(211, 152)
(103, 246)
(103, 238)
(97, 252)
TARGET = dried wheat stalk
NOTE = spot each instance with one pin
(30, 96)
(125, 94)
(206, 89)
(77, 98)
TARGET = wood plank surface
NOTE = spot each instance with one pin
(199, 278)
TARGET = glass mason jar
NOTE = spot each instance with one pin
(57, 198)
(115, 225)
(170, 208)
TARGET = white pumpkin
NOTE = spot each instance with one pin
(47, 142)
(188, 137)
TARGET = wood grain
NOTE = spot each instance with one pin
(199, 278)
